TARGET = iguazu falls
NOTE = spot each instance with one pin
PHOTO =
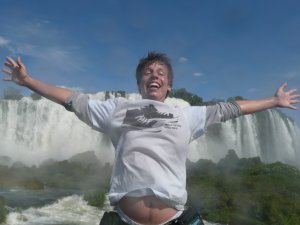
(36, 132)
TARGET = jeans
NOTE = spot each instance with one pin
(190, 216)
(112, 218)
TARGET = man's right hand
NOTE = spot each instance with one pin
(19, 75)
(16, 70)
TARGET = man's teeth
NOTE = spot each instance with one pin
(154, 85)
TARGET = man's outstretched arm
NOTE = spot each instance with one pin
(282, 99)
(18, 74)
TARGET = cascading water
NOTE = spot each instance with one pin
(270, 135)
(33, 131)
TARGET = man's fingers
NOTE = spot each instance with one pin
(283, 86)
(8, 64)
(6, 71)
(15, 65)
(295, 96)
(19, 61)
(12, 63)
(292, 91)
(10, 60)
(7, 79)
(294, 101)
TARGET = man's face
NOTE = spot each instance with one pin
(154, 83)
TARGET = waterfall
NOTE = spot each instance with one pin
(269, 134)
(32, 131)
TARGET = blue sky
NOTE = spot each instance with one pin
(219, 48)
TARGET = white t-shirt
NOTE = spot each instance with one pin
(151, 141)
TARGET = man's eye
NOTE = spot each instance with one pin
(161, 73)
(147, 72)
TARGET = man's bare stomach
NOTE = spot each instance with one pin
(146, 210)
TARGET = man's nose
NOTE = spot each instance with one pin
(154, 75)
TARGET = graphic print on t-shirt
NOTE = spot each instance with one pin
(147, 117)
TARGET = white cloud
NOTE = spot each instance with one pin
(49, 46)
(252, 90)
(292, 75)
(182, 60)
(198, 74)
(76, 89)
(3, 41)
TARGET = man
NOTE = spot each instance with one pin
(150, 137)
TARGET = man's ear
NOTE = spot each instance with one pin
(169, 88)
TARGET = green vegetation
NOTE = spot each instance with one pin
(108, 94)
(95, 198)
(80, 174)
(11, 93)
(193, 99)
(233, 191)
(35, 96)
(187, 96)
(245, 191)
(32, 184)
(3, 210)
(19, 176)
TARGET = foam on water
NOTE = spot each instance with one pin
(71, 210)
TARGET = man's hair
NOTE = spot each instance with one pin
(153, 57)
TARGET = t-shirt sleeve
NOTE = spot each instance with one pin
(222, 112)
(200, 117)
(95, 113)
(196, 117)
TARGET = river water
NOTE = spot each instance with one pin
(51, 207)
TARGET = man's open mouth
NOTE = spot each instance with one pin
(153, 85)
